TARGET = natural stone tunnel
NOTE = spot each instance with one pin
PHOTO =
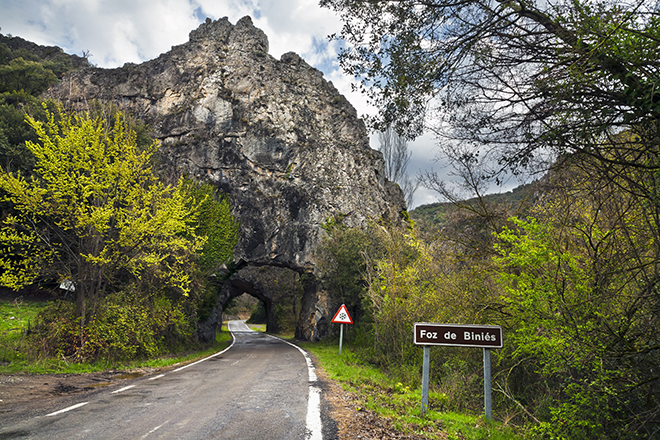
(276, 286)
(278, 139)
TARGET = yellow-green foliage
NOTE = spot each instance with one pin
(407, 283)
(92, 210)
(580, 321)
(216, 222)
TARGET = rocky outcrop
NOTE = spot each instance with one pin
(274, 135)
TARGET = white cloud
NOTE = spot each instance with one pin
(114, 32)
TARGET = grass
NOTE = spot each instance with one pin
(18, 356)
(258, 327)
(16, 317)
(400, 404)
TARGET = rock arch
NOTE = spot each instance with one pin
(275, 136)
(278, 287)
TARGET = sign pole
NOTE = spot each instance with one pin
(488, 401)
(425, 379)
(342, 317)
(341, 336)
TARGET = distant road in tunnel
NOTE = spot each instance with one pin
(259, 388)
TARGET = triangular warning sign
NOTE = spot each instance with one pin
(342, 316)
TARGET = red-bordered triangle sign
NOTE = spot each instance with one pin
(342, 316)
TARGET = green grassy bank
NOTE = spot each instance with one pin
(401, 404)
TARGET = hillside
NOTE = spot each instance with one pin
(434, 216)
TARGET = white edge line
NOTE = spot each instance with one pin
(154, 430)
(156, 377)
(77, 405)
(310, 365)
(233, 339)
(122, 389)
(314, 423)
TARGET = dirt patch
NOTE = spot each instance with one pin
(353, 421)
(24, 395)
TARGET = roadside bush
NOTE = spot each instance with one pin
(127, 327)
(399, 280)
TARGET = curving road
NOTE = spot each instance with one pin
(261, 387)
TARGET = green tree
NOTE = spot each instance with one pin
(342, 265)
(14, 156)
(93, 212)
(215, 222)
(29, 76)
(511, 82)
(24, 75)
(584, 320)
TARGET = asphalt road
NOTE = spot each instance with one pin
(260, 388)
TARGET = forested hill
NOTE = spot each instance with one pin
(434, 215)
(16, 47)
(26, 71)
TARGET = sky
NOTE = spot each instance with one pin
(115, 32)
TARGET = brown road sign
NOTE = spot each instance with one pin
(457, 335)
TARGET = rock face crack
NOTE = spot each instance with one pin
(274, 135)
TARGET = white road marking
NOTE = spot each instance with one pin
(153, 430)
(208, 357)
(156, 377)
(77, 405)
(314, 423)
(122, 389)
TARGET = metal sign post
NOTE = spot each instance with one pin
(341, 336)
(342, 317)
(425, 379)
(455, 335)
(488, 399)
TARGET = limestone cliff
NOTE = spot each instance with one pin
(274, 135)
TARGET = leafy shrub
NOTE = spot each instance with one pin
(127, 326)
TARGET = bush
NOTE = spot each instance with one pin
(128, 326)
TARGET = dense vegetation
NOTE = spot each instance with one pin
(571, 283)
(26, 70)
(85, 217)
(564, 92)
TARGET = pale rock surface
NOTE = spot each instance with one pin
(274, 135)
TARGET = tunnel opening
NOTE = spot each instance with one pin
(239, 287)
(278, 290)
(291, 299)
(245, 307)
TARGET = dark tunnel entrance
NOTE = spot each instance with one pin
(239, 288)
(245, 307)
(293, 303)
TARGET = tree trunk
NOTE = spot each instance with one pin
(80, 303)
